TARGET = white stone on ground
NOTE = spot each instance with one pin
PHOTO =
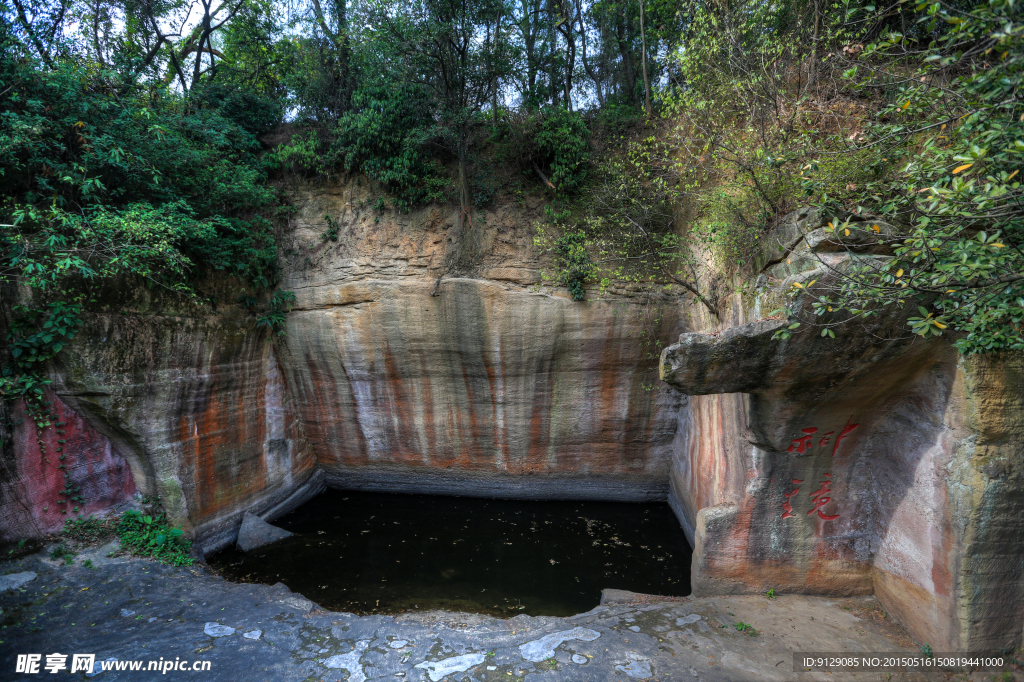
(350, 662)
(15, 580)
(456, 664)
(544, 648)
(218, 630)
(636, 666)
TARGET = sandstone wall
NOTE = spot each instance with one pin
(56, 473)
(199, 406)
(485, 383)
(853, 465)
(494, 385)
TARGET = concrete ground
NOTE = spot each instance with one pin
(139, 610)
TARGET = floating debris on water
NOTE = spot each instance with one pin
(383, 553)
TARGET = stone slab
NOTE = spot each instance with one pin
(15, 580)
(255, 532)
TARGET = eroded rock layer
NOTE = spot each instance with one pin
(481, 383)
(875, 462)
(199, 407)
(477, 383)
(420, 355)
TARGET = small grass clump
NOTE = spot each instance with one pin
(63, 553)
(150, 536)
(746, 629)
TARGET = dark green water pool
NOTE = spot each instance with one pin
(382, 553)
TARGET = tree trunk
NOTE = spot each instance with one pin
(643, 58)
(628, 71)
(566, 26)
(344, 58)
(583, 55)
(813, 66)
(552, 53)
(497, 47)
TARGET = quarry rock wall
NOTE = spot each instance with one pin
(199, 407)
(876, 462)
(427, 354)
(482, 383)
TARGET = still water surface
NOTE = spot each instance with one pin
(383, 553)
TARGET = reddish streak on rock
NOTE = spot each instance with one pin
(492, 382)
(401, 422)
(226, 440)
(428, 408)
(326, 420)
(540, 420)
(470, 446)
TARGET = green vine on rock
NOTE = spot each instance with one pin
(280, 303)
(36, 335)
(331, 232)
(577, 267)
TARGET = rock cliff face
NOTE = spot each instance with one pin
(489, 387)
(199, 407)
(56, 473)
(427, 356)
(871, 463)
(483, 384)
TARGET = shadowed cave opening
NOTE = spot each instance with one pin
(370, 552)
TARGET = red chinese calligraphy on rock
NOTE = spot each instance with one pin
(801, 444)
(806, 442)
(843, 434)
(787, 506)
(820, 498)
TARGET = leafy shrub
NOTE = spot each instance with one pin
(384, 137)
(150, 536)
(563, 145)
(256, 115)
(575, 264)
(331, 233)
(280, 303)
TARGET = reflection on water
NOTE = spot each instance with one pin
(383, 553)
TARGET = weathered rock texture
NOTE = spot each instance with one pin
(873, 463)
(491, 387)
(494, 386)
(197, 404)
(56, 473)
